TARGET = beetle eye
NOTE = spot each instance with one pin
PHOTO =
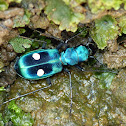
(40, 72)
(36, 56)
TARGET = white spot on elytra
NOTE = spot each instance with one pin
(36, 56)
(40, 72)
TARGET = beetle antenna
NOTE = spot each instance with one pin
(48, 35)
(74, 36)
(45, 34)
(25, 94)
(32, 39)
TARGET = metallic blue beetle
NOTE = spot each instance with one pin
(44, 63)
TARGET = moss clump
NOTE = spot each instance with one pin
(1, 120)
(20, 21)
(101, 5)
(1, 66)
(19, 44)
(122, 23)
(105, 29)
(105, 79)
(4, 4)
(17, 116)
(63, 15)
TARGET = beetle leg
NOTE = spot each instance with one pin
(44, 45)
(74, 36)
(48, 81)
(95, 60)
(26, 94)
(61, 45)
(97, 70)
(79, 67)
(71, 96)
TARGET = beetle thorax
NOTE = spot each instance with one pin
(73, 56)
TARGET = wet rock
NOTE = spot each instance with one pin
(118, 87)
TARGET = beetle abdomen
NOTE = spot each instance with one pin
(39, 64)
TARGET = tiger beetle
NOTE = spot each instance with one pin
(43, 63)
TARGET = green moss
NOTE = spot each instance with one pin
(21, 30)
(39, 40)
(62, 14)
(105, 79)
(17, 1)
(3, 5)
(83, 31)
(74, 2)
(105, 29)
(122, 23)
(101, 5)
(1, 120)
(19, 44)
(17, 116)
(20, 21)
(1, 66)
(2, 89)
